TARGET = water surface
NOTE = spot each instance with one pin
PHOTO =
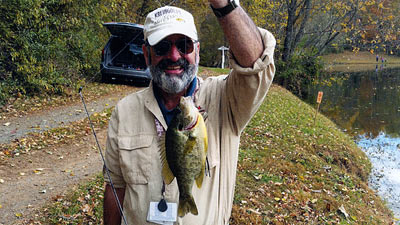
(366, 105)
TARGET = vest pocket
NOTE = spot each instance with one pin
(135, 158)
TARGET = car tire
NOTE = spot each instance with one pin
(105, 78)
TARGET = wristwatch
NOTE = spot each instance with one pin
(221, 12)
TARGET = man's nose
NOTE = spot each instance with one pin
(174, 54)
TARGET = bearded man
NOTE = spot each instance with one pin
(140, 119)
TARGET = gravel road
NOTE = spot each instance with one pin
(13, 128)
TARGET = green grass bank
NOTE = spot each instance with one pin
(291, 170)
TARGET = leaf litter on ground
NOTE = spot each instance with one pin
(290, 171)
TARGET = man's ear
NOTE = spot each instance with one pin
(146, 53)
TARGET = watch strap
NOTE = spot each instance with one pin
(221, 12)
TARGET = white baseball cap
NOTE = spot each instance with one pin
(168, 20)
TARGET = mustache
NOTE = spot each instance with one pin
(167, 62)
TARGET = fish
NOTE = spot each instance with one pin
(185, 153)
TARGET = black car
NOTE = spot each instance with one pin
(122, 57)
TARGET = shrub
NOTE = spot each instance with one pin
(46, 45)
(299, 72)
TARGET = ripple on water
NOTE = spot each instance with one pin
(384, 154)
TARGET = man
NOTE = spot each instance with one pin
(140, 119)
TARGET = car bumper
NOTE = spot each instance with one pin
(126, 73)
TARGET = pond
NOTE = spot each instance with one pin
(366, 105)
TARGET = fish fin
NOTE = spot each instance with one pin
(203, 128)
(187, 205)
(166, 172)
(206, 166)
(199, 178)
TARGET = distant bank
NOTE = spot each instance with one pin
(358, 61)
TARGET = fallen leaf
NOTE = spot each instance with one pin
(2, 181)
(85, 208)
(258, 177)
(7, 124)
(254, 211)
(328, 207)
(22, 174)
(343, 211)
(43, 191)
(18, 214)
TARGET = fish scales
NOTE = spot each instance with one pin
(185, 153)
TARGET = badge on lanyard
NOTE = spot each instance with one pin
(168, 217)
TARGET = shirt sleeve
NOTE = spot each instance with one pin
(246, 88)
(112, 154)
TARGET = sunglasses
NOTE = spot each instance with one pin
(184, 46)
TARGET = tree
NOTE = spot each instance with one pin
(379, 29)
(308, 23)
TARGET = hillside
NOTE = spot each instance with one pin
(293, 170)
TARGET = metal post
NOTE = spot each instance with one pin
(223, 49)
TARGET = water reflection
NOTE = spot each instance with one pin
(366, 105)
(362, 103)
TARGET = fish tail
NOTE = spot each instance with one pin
(187, 205)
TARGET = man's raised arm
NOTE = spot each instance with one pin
(243, 36)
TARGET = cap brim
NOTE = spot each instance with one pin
(160, 34)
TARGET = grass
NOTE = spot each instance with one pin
(209, 71)
(84, 205)
(291, 170)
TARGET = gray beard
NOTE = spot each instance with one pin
(173, 84)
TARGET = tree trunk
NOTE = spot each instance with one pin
(287, 50)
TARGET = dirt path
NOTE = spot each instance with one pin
(30, 180)
(17, 127)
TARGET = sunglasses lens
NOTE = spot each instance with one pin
(185, 45)
(162, 47)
